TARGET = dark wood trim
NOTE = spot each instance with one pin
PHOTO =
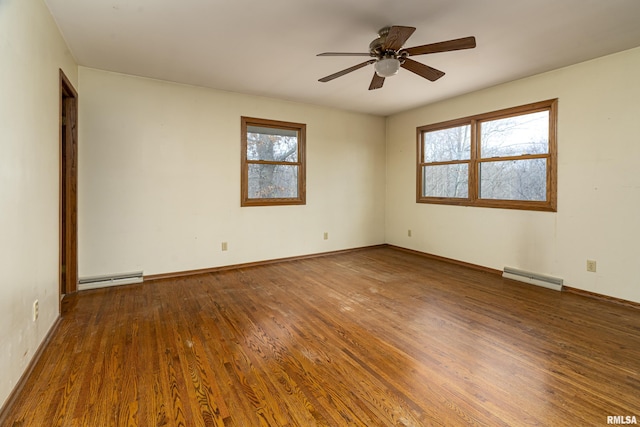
(11, 400)
(601, 297)
(68, 184)
(552, 184)
(67, 85)
(473, 199)
(301, 129)
(567, 289)
(448, 260)
(493, 271)
(178, 274)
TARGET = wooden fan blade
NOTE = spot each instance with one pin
(397, 37)
(376, 82)
(457, 44)
(343, 54)
(346, 71)
(422, 70)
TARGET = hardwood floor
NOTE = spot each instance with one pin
(376, 337)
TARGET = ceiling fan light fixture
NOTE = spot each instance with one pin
(388, 54)
(387, 67)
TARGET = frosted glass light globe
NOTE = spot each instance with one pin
(387, 67)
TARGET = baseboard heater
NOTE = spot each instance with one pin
(533, 278)
(109, 280)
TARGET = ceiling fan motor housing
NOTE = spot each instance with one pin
(375, 47)
(377, 50)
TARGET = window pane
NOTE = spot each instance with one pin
(273, 181)
(515, 136)
(447, 144)
(514, 180)
(446, 181)
(278, 145)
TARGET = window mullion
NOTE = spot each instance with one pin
(449, 162)
(509, 158)
(272, 162)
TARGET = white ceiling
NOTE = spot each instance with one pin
(269, 47)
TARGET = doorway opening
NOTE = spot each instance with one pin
(68, 276)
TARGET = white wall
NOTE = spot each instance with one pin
(159, 179)
(598, 182)
(31, 53)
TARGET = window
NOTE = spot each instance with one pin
(273, 163)
(503, 159)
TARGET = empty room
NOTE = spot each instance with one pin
(332, 213)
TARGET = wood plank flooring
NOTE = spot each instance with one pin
(376, 337)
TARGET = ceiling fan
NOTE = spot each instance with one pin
(389, 55)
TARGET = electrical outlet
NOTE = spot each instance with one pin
(591, 265)
(36, 310)
(409, 233)
(224, 246)
(326, 236)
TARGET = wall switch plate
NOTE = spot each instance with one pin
(36, 310)
(409, 233)
(224, 246)
(591, 266)
(326, 236)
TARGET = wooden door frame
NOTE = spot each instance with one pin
(68, 246)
